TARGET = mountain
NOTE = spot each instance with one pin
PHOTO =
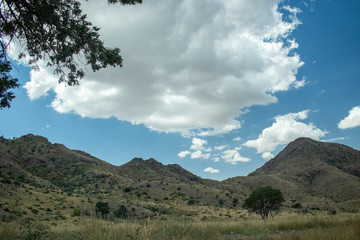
(305, 152)
(153, 170)
(312, 172)
(324, 169)
(33, 171)
(49, 181)
(34, 159)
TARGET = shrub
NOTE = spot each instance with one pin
(76, 212)
(102, 208)
(297, 205)
(235, 201)
(122, 212)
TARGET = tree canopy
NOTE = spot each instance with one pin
(264, 201)
(57, 32)
(6, 82)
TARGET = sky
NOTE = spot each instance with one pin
(218, 87)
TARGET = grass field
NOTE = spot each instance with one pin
(287, 226)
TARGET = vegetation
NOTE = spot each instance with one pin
(102, 209)
(287, 226)
(121, 212)
(6, 80)
(264, 201)
(66, 194)
(55, 31)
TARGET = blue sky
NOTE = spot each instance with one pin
(218, 87)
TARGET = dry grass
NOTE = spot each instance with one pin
(285, 227)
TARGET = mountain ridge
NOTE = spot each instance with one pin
(318, 175)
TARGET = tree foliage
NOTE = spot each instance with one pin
(7, 82)
(264, 201)
(57, 32)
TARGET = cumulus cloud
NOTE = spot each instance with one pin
(352, 120)
(183, 154)
(200, 154)
(211, 170)
(189, 66)
(285, 129)
(198, 144)
(40, 84)
(198, 149)
(233, 157)
(267, 155)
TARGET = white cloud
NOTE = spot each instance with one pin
(216, 159)
(198, 144)
(200, 154)
(352, 120)
(188, 65)
(334, 139)
(198, 147)
(267, 155)
(285, 129)
(211, 170)
(237, 139)
(299, 84)
(41, 82)
(219, 148)
(222, 130)
(183, 154)
(233, 156)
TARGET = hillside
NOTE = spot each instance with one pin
(312, 172)
(36, 175)
(41, 180)
(323, 169)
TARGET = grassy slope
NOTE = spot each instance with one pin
(47, 182)
(286, 226)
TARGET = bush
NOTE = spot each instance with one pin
(235, 201)
(297, 205)
(76, 212)
(122, 212)
(102, 208)
(332, 212)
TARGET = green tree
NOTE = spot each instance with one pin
(102, 208)
(264, 201)
(6, 80)
(55, 31)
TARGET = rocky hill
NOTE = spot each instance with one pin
(48, 181)
(323, 169)
(313, 172)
